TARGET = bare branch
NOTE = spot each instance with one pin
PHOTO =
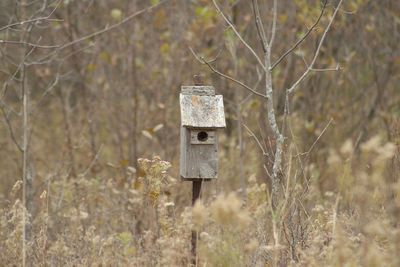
(327, 69)
(302, 38)
(20, 65)
(28, 21)
(266, 170)
(46, 92)
(95, 158)
(320, 70)
(310, 67)
(319, 137)
(273, 31)
(9, 126)
(28, 44)
(203, 61)
(48, 57)
(259, 26)
(109, 28)
(45, 18)
(256, 139)
(238, 35)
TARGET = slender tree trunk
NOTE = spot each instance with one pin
(279, 140)
(27, 180)
(133, 92)
(67, 126)
(73, 31)
(243, 182)
(27, 174)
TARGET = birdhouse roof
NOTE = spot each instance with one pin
(202, 111)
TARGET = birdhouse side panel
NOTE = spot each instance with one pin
(184, 150)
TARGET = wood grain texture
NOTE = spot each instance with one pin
(209, 139)
(202, 111)
(198, 160)
(198, 90)
(183, 149)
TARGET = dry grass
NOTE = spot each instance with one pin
(88, 222)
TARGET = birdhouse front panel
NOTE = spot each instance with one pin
(199, 154)
(202, 137)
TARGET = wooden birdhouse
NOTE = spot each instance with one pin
(202, 114)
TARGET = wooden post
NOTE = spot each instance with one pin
(195, 196)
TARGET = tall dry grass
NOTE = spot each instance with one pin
(90, 222)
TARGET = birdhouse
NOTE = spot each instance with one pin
(202, 114)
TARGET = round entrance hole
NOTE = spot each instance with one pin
(202, 136)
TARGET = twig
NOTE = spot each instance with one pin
(244, 100)
(28, 21)
(273, 32)
(29, 44)
(297, 149)
(46, 18)
(106, 29)
(203, 61)
(259, 26)
(10, 128)
(238, 35)
(256, 139)
(320, 70)
(21, 148)
(327, 69)
(94, 34)
(319, 137)
(302, 38)
(95, 158)
(232, 79)
(291, 89)
(267, 172)
(48, 90)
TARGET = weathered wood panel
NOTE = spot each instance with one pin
(184, 149)
(198, 160)
(202, 111)
(202, 137)
(198, 90)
